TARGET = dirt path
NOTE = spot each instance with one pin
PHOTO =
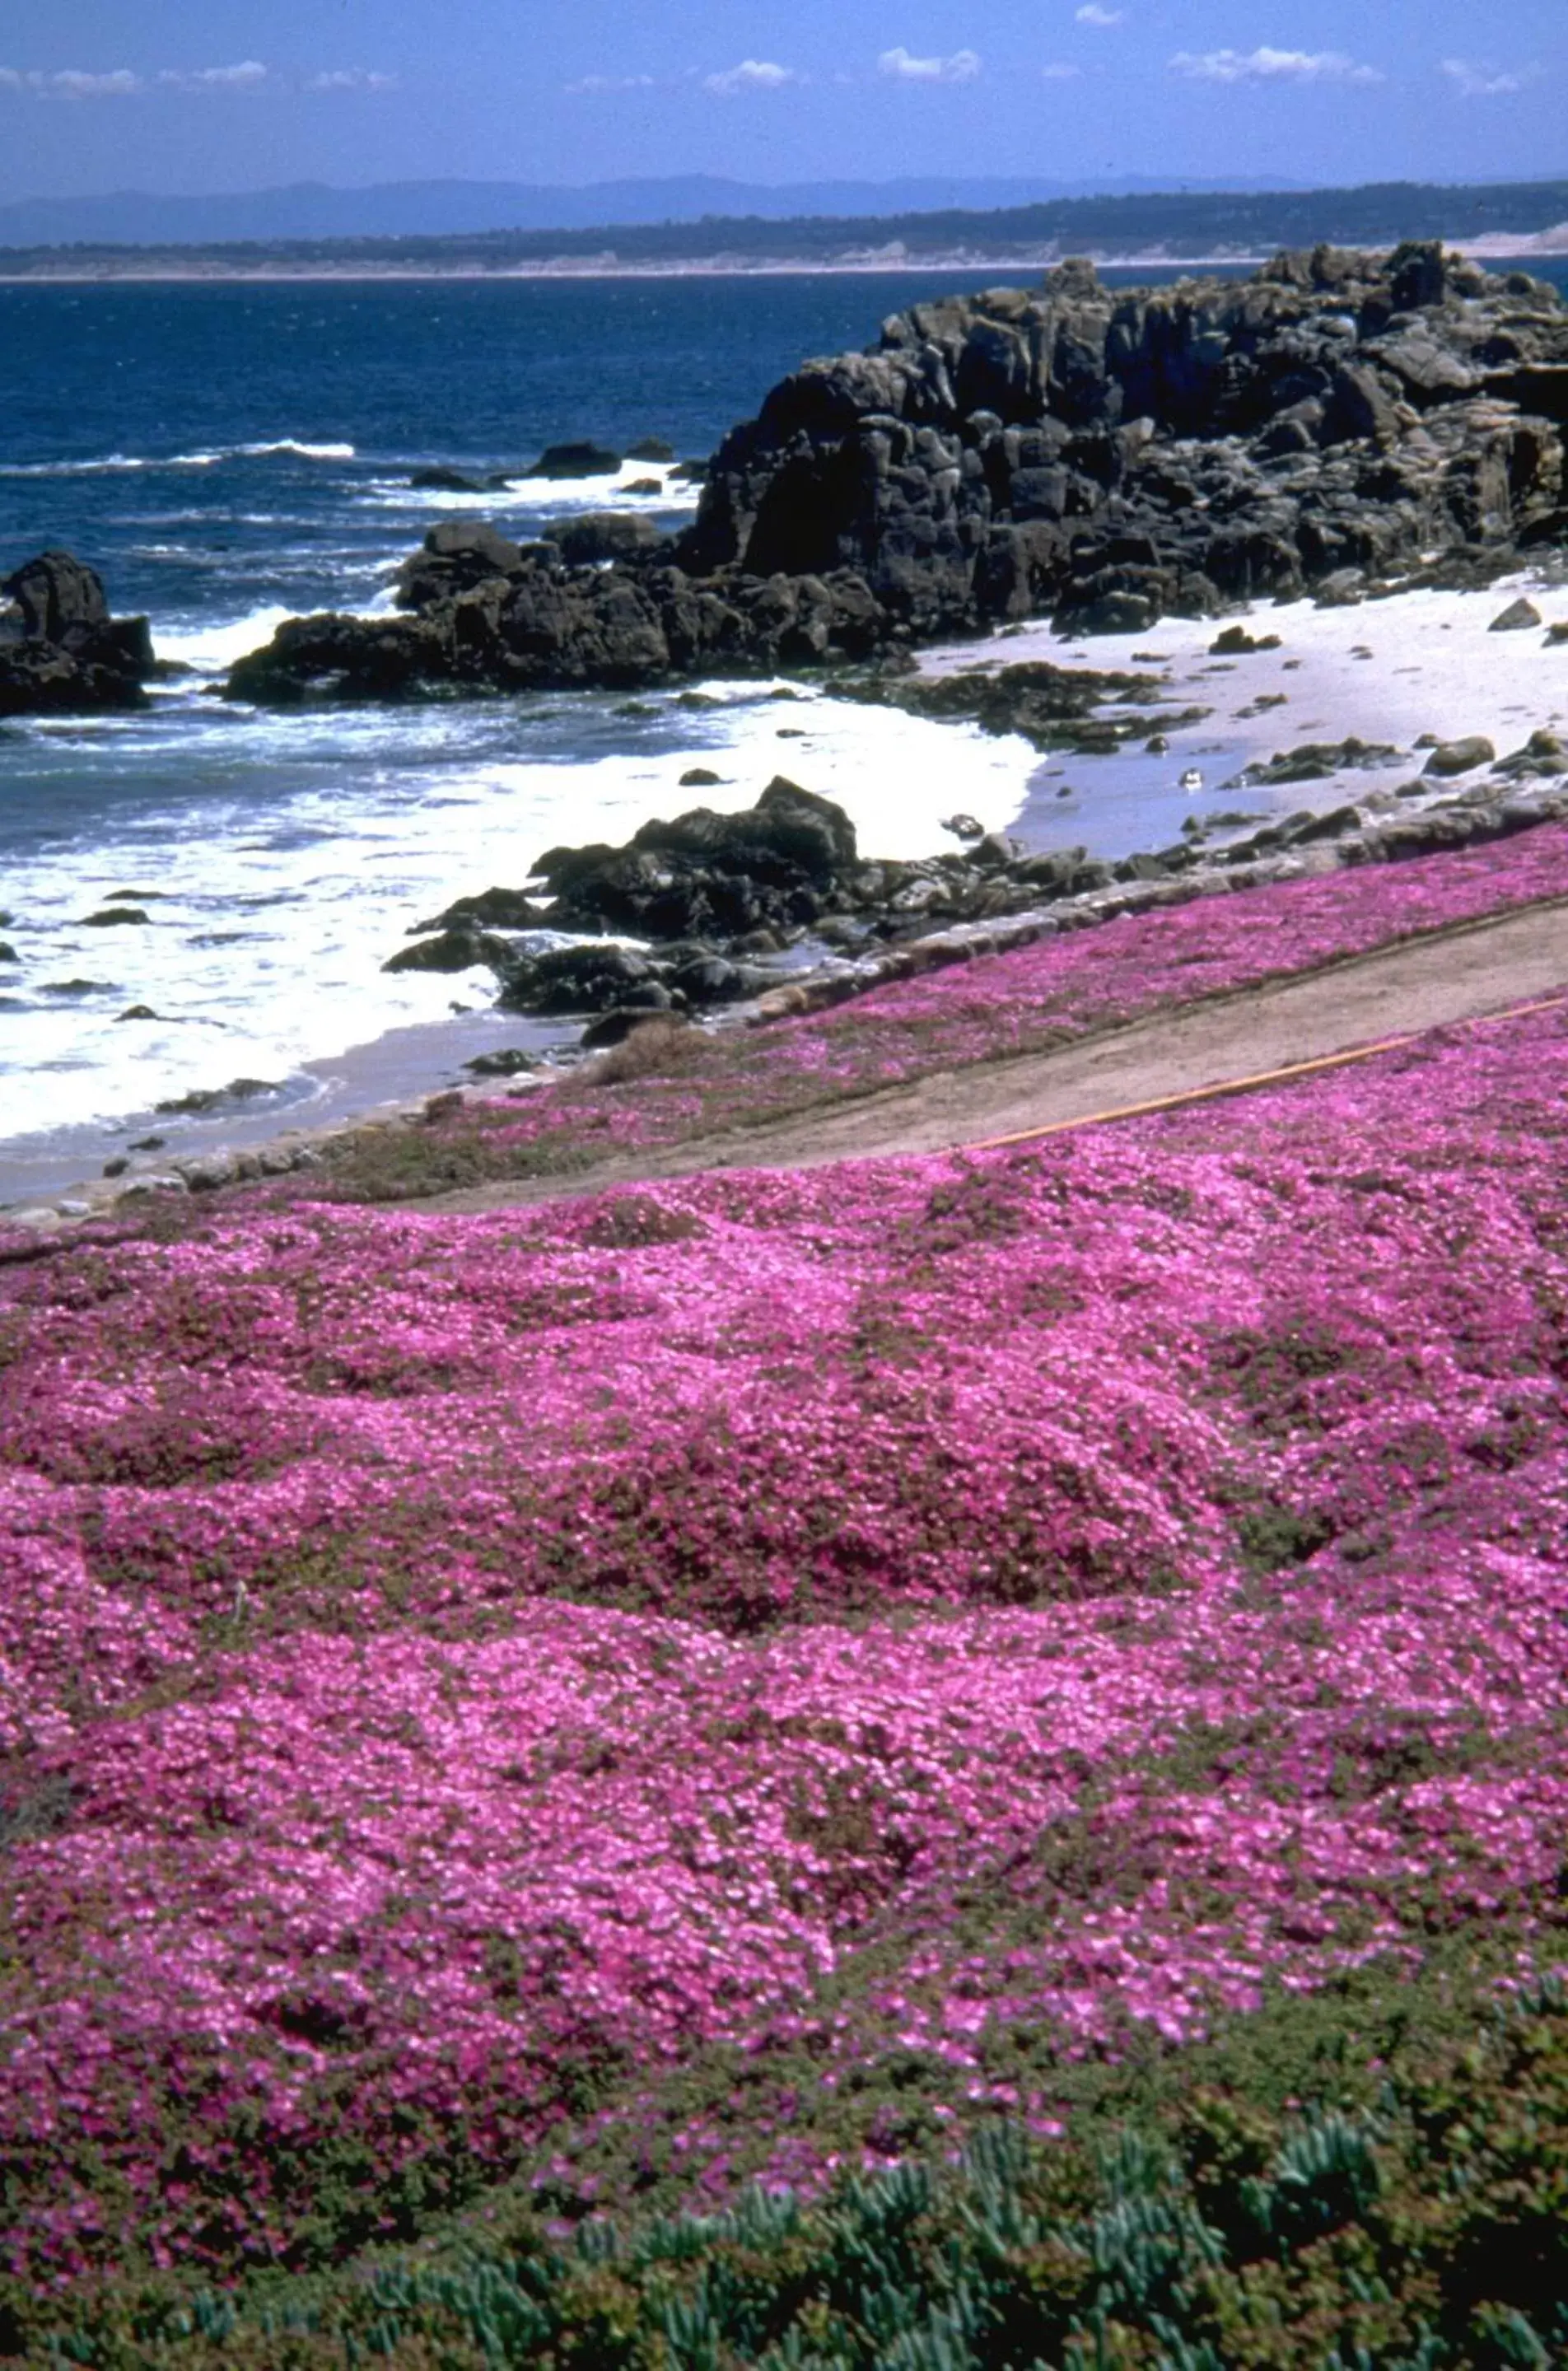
(1459, 975)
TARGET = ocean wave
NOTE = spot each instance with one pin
(301, 451)
(557, 497)
(117, 464)
(213, 649)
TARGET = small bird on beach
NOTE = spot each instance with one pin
(1191, 779)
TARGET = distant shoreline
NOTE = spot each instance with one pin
(1549, 248)
(588, 268)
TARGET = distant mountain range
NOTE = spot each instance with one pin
(311, 210)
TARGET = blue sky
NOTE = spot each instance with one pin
(209, 94)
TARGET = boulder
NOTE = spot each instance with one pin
(583, 460)
(1452, 758)
(60, 653)
(204, 1173)
(491, 909)
(711, 876)
(506, 1062)
(57, 595)
(1517, 619)
(461, 948)
(442, 480)
(456, 555)
(591, 977)
(650, 448)
(1314, 761)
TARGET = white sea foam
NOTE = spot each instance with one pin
(299, 450)
(560, 496)
(213, 649)
(282, 902)
(115, 464)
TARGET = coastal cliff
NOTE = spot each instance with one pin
(1102, 458)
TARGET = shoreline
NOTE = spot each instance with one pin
(1403, 670)
(1542, 246)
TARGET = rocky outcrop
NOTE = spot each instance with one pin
(1102, 457)
(710, 898)
(60, 653)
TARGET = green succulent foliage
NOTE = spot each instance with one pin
(1426, 2231)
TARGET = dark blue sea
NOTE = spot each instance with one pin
(227, 456)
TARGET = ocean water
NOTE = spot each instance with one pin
(229, 456)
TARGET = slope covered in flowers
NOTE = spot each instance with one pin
(953, 1617)
(1025, 1001)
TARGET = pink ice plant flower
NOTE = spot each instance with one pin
(441, 1658)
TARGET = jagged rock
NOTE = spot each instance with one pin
(605, 534)
(704, 875)
(591, 977)
(1102, 457)
(1518, 618)
(650, 448)
(60, 653)
(456, 555)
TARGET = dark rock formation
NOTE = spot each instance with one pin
(1104, 458)
(605, 534)
(60, 653)
(440, 480)
(578, 460)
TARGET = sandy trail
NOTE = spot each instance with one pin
(1458, 975)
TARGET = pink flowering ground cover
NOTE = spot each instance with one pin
(921, 1627)
(1022, 1001)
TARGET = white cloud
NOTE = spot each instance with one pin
(1272, 65)
(1474, 80)
(70, 83)
(1060, 74)
(250, 75)
(353, 78)
(752, 74)
(1093, 14)
(595, 86)
(899, 66)
(247, 75)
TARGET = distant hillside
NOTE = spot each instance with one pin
(1187, 222)
(310, 210)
